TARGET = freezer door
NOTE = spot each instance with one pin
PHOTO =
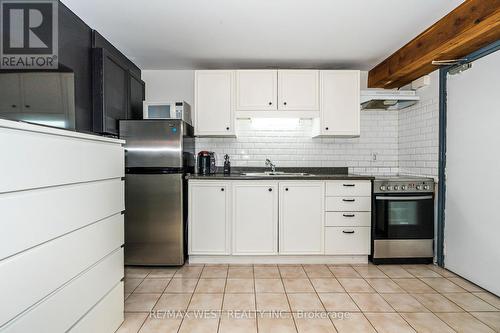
(152, 143)
(154, 219)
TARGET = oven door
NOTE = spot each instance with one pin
(404, 216)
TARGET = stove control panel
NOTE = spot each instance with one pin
(403, 185)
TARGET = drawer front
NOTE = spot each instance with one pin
(348, 187)
(60, 160)
(348, 219)
(348, 204)
(347, 240)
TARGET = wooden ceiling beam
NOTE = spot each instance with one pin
(470, 26)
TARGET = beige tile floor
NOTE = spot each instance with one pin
(305, 298)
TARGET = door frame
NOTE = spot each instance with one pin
(443, 74)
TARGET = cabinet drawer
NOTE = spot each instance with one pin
(347, 240)
(348, 219)
(348, 204)
(348, 187)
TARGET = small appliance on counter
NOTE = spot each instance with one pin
(167, 110)
(206, 162)
(403, 220)
(227, 165)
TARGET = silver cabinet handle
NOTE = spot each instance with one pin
(420, 197)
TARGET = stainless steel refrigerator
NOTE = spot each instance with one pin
(158, 154)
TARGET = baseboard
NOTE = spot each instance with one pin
(277, 259)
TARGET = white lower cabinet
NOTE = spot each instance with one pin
(209, 218)
(301, 218)
(255, 218)
(348, 217)
(286, 219)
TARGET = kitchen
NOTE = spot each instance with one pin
(287, 189)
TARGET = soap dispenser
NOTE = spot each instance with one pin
(227, 165)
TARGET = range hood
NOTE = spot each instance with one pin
(384, 99)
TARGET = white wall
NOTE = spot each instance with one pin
(169, 85)
(403, 141)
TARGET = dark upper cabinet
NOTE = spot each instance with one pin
(137, 91)
(110, 92)
(118, 91)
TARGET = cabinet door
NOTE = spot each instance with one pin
(214, 103)
(256, 90)
(298, 90)
(255, 218)
(110, 92)
(339, 105)
(43, 93)
(10, 94)
(301, 218)
(136, 98)
(208, 218)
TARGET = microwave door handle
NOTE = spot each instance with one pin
(421, 197)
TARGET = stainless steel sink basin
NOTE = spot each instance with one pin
(274, 174)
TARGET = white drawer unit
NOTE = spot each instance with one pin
(349, 188)
(62, 230)
(348, 204)
(347, 240)
(347, 219)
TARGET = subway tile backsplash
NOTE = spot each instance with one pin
(419, 139)
(288, 143)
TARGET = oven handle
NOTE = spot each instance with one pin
(421, 197)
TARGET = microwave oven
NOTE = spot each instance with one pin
(167, 110)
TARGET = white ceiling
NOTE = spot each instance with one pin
(187, 34)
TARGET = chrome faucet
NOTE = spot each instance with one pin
(271, 164)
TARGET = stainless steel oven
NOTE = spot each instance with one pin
(403, 221)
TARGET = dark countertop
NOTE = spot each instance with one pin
(312, 174)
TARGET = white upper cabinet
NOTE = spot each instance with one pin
(10, 94)
(339, 103)
(256, 90)
(28, 93)
(330, 97)
(255, 218)
(301, 224)
(298, 90)
(214, 103)
(43, 94)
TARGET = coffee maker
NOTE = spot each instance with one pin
(206, 162)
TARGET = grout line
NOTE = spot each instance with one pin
(223, 299)
(191, 298)
(287, 299)
(255, 298)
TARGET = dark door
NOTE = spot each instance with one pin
(111, 83)
(136, 97)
